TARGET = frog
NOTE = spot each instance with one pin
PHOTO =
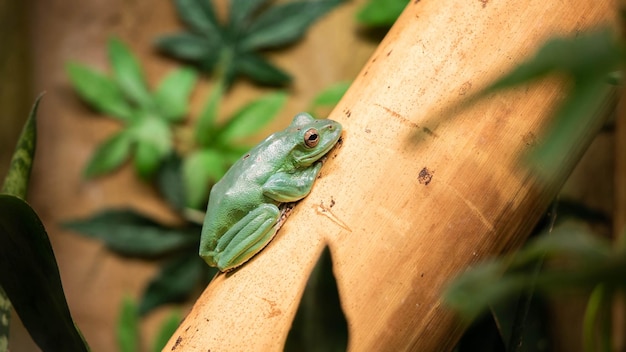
(244, 208)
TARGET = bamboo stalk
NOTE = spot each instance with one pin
(409, 200)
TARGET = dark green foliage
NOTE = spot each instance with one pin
(231, 48)
(129, 233)
(30, 277)
(320, 324)
(381, 13)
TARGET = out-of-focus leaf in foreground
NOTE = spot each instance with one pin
(320, 324)
(30, 277)
(587, 62)
(585, 261)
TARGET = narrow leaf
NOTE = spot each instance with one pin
(172, 95)
(259, 70)
(176, 281)
(241, 11)
(205, 127)
(166, 330)
(285, 23)
(128, 327)
(381, 12)
(199, 15)
(147, 159)
(170, 181)
(189, 47)
(30, 277)
(253, 117)
(99, 91)
(331, 95)
(320, 324)
(129, 233)
(200, 169)
(128, 73)
(109, 156)
(16, 181)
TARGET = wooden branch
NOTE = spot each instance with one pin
(410, 200)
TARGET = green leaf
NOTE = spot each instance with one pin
(30, 277)
(172, 95)
(381, 12)
(166, 330)
(176, 281)
(205, 127)
(259, 70)
(241, 11)
(170, 181)
(128, 73)
(285, 23)
(573, 118)
(147, 159)
(99, 91)
(319, 324)
(189, 47)
(129, 233)
(109, 156)
(589, 55)
(331, 95)
(128, 327)
(199, 15)
(252, 118)
(16, 180)
(200, 169)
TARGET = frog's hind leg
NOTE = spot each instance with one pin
(248, 237)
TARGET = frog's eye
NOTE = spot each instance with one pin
(311, 137)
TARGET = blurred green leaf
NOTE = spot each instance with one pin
(189, 47)
(170, 181)
(30, 277)
(128, 73)
(128, 327)
(99, 91)
(331, 95)
(129, 233)
(284, 23)
(319, 324)
(109, 156)
(588, 55)
(166, 330)
(178, 278)
(381, 12)
(16, 180)
(206, 126)
(260, 70)
(172, 95)
(241, 11)
(148, 158)
(586, 261)
(252, 117)
(200, 169)
(229, 49)
(198, 15)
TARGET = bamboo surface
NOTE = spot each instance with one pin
(409, 200)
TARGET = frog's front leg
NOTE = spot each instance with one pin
(247, 237)
(290, 187)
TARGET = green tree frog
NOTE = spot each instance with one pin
(243, 209)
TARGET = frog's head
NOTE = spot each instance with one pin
(314, 138)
